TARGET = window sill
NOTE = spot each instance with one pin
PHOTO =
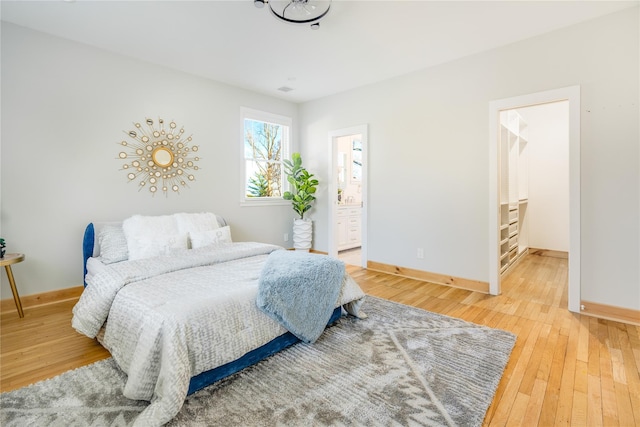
(265, 202)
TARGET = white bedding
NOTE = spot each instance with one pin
(94, 265)
(181, 315)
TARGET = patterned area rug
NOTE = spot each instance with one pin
(401, 366)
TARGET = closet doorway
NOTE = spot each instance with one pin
(347, 190)
(535, 182)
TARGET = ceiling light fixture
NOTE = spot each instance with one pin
(298, 11)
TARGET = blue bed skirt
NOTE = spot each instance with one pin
(251, 358)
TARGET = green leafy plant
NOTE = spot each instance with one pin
(303, 185)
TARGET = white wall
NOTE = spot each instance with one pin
(64, 109)
(428, 153)
(548, 151)
(65, 105)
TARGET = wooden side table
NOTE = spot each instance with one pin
(6, 262)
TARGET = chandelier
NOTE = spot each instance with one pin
(298, 11)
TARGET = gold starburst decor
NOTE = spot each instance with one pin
(160, 158)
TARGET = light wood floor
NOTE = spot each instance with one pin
(566, 369)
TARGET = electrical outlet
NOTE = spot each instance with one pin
(286, 237)
(420, 253)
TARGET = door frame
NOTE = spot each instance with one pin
(571, 94)
(333, 188)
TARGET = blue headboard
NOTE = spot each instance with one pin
(87, 247)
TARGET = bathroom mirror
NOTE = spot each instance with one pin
(356, 160)
(342, 161)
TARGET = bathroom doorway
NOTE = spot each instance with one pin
(347, 189)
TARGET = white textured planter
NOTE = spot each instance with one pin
(302, 232)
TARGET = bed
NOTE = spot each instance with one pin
(180, 306)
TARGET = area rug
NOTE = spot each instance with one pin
(400, 366)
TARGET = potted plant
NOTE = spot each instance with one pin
(303, 188)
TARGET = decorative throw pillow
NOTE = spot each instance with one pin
(113, 244)
(210, 237)
(159, 246)
(149, 236)
(190, 222)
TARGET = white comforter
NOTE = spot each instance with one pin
(171, 318)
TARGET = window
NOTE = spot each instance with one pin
(265, 140)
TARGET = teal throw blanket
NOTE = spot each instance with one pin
(300, 290)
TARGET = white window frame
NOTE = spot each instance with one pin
(257, 115)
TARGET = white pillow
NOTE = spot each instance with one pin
(210, 237)
(113, 244)
(94, 266)
(158, 246)
(149, 236)
(188, 222)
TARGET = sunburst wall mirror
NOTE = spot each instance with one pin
(160, 158)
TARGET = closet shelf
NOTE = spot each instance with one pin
(514, 189)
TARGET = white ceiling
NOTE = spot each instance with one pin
(358, 43)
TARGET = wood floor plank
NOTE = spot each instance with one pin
(581, 380)
(594, 348)
(578, 410)
(532, 412)
(594, 402)
(567, 382)
(514, 377)
(623, 402)
(518, 410)
(531, 373)
(607, 387)
(583, 340)
(546, 359)
(632, 373)
(551, 396)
